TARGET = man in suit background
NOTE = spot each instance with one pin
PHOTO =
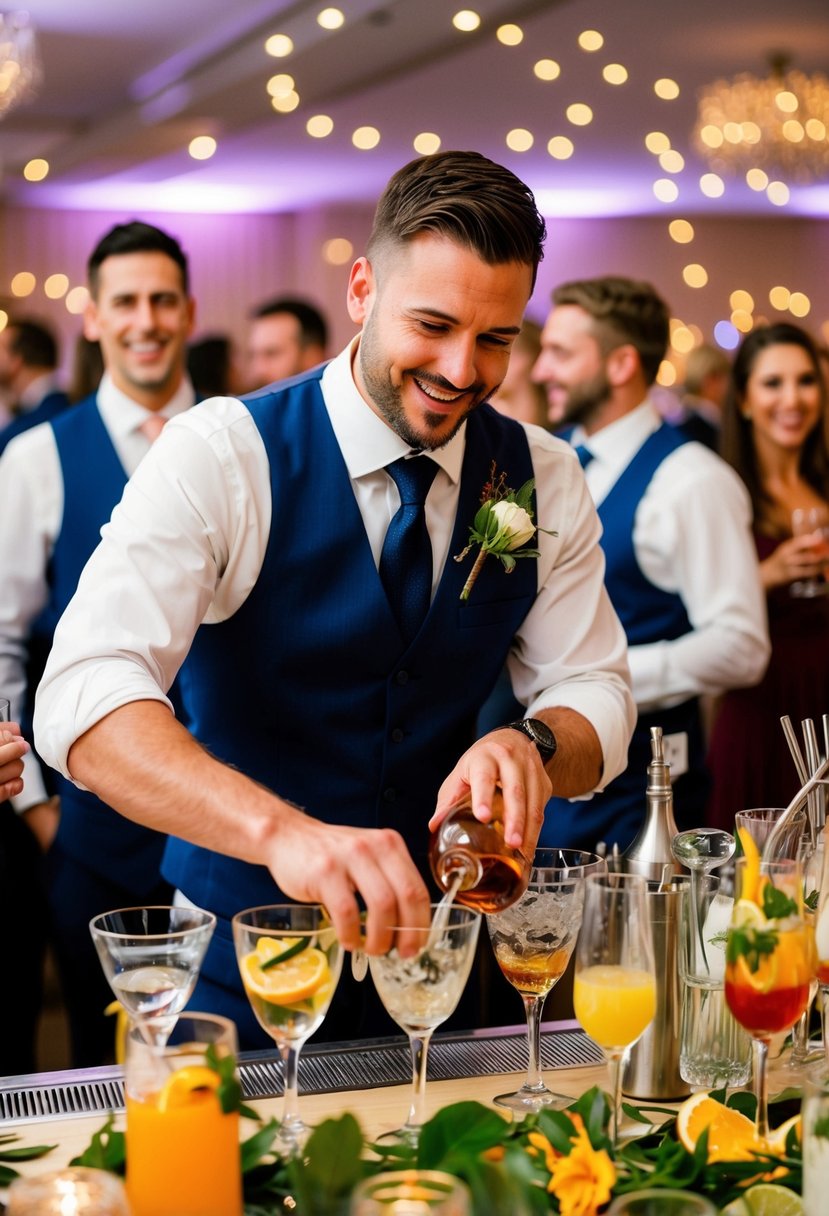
(58, 485)
(28, 375)
(286, 336)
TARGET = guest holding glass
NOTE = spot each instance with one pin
(774, 436)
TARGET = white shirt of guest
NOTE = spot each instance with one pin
(186, 546)
(31, 513)
(692, 537)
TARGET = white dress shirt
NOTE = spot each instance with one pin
(31, 513)
(186, 546)
(691, 536)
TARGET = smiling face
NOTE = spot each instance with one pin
(572, 368)
(438, 324)
(142, 317)
(783, 398)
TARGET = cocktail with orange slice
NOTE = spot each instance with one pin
(183, 1121)
(769, 958)
(290, 960)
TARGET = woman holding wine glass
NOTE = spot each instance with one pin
(774, 435)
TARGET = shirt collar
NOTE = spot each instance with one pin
(366, 441)
(123, 416)
(617, 443)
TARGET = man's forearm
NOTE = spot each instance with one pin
(576, 768)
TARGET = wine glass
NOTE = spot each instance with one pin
(421, 990)
(759, 823)
(769, 960)
(290, 960)
(151, 959)
(614, 993)
(533, 940)
(811, 521)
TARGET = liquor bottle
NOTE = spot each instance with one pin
(650, 851)
(491, 875)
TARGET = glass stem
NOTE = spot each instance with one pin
(800, 1039)
(533, 1007)
(761, 1088)
(290, 1099)
(614, 1063)
(420, 1050)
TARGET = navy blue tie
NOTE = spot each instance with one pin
(584, 454)
(406, 560)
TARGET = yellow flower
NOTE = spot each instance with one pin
(583, 1180)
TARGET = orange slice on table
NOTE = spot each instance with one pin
(730, 1134)
(178, 1089)
(296, 979)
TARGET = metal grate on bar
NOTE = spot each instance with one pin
(324, 1069)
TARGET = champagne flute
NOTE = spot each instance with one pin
(614, 993)
(421, 990)
(769, 961)
(290, 960)
(811, 521)
(151, 958)
(533, 940)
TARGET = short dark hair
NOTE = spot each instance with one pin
(736, 436)
(468, 199)
(136, 237)
(33, 342)
(313, 328)
(625, 312)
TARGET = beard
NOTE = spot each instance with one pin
(388, 398)
(584, 401)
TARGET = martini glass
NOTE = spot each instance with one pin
(420, 991)
(533, 940)
(290, 960)
(151, 959)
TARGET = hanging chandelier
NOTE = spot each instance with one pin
(20, 71)
(778, 124)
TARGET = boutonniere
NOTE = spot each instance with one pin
(502, 525)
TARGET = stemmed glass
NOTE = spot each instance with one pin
(769, 960)
(151, 958)
(421, 990)
(533, 940)
(290, 960)
(811, 521)
(614, 993)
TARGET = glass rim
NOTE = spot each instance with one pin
(239, 917)
(781, 864)
(98, 931)
(202, 1016)
(616, 880)
(463, 916)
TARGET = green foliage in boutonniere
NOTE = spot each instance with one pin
(502, 526)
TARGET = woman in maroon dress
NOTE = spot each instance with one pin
(774, 435)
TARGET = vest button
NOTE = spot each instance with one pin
(390, 794)
(402, 677)
(398, 735)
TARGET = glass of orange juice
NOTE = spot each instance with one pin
(614, 990)
(183, 1121)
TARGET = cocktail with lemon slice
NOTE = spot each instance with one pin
(183, 1121)
(289, 959)
(769, 958)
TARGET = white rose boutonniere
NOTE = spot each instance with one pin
(502, 525)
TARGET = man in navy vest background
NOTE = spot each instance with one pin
(58, 485)
(28, 374)
(681, 565)
(331, 727)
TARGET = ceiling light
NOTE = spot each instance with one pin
(202, 147)
(466, 20)
(579, 114)
(319, 125)
(547, 69)
(615, 73)
(279, 45)
(519, 139)
(365, 138)
(681, 231)
(510, 35)
(35, 170)
(426, 143)
(666, 88)
(23, 283)
(331, 18)
(20, 70)
(560, 147)
(591, 40)
(777, 123)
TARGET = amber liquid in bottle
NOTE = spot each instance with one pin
(492, 875)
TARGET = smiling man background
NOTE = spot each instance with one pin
(58, 485)
(313, 682)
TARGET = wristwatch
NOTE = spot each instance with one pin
(540, 734)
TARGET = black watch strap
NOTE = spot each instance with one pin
(539, 733)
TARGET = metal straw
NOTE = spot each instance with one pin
(795, 807)
(815, 798)
(794, 748)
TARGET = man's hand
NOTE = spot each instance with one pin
(329, 864)
(42, 820)
(508, 759)
(13, 748)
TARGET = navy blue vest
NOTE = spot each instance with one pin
(648, 614)
(309, 687)
(93, 482)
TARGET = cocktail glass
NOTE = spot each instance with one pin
(421, 990)
(759, 823)
(151, 959)
(814, 522)
(769, 960)
(290, 961)
(533, 940)
(182, 1142)
(419, 1192)
(614, 993)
